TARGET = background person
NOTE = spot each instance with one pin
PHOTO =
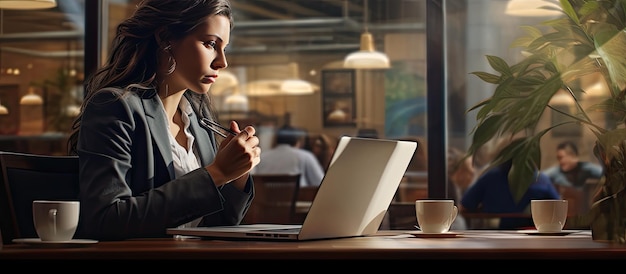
(322, 146)
(490, 193)
(288, 157)
(571, 171)
(460, 177)
(145, 162)
(461, 170)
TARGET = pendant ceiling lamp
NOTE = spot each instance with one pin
(226, 80)
(27, 4)
(72, 110)
(260, 88)
(296, 87)
(367, 57)
(236, 102)
(31, 98)
(3, 110)
(533, 8)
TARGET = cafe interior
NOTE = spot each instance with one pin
(370, 68)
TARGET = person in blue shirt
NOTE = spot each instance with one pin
(288, 157)
(490, 193)
(571, 171)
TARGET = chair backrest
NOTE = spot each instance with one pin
(577, 197)
(275, 198)
(27, 177)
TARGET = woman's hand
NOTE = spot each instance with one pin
(236, 156)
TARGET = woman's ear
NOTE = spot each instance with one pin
(161, 41)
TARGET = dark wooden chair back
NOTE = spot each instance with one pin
(400, 215)
(275, 199)
(27, 177)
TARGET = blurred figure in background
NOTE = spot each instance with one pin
(288, 157)
(571, 171)
(490, 193)
(460, 177)
(323, 147)
(461, 170)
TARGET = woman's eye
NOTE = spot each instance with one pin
(211, 44)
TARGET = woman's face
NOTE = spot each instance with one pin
(200, 55)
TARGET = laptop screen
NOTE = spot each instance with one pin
(352, 199)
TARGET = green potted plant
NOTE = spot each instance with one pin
(589, 39)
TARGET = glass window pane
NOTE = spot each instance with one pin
(41, 76)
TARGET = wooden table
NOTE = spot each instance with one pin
(470, 245)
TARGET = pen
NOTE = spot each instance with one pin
(216, 127)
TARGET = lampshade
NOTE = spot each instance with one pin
(296, 87)
(562, 97)
(224, 81)
(337, 115)
(367, 57)
(3, 110)
(31, 98)
(236, 102)
(72, 110)
(532, 8)
(27, 4)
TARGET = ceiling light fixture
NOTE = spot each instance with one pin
(31, 98)
(236, 102)
(367, 57)
(3, 110)
(27, 4)
(532, 8)
(72, 110)
(296, 87)
(225, 80)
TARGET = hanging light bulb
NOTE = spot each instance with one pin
(367, 57)
(31, 98)
(27, 4)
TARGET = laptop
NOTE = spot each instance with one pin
(352, 200)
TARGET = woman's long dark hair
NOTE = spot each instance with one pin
(134, 52)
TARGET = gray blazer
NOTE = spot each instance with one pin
(127, 188)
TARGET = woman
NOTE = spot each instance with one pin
(145, 162)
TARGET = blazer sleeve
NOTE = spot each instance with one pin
(125, 187)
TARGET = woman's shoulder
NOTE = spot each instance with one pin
(110, 95)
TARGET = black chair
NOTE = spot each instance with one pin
(400, 216)
(275, 199)
(27, 177)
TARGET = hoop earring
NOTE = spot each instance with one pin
(171, 62)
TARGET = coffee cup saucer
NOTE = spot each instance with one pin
(70, 243)
(449, 234)
(535, 232)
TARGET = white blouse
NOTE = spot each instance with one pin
(185, 160)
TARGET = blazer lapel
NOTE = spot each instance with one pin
(206, 150)
(155, 115)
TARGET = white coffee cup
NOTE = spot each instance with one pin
(55, 220)
(435, 216)
(549, 216)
